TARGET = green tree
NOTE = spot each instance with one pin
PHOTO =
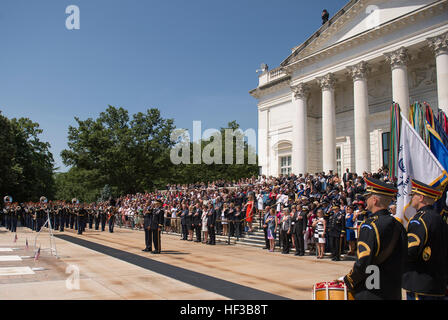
(26, 162)
(203, 172)
(129, 155)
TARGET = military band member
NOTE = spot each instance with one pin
(103, 219)
(82, 215)
(425, 277)
(382, 243)
(111, 219)
(97, 217)
(90, 213)
(62, 215)
(14, 211)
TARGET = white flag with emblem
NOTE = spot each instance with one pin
(415, 161)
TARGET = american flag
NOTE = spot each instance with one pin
(15, 238)
(36, 257)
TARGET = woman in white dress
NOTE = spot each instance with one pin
(204, 224)
(224, 221)
(320, 225)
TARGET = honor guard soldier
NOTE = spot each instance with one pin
(382, 244)
(336, 232)
(156, 226)
(425, 277)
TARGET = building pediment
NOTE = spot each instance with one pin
(357, 17)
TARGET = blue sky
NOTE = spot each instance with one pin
(194, 60)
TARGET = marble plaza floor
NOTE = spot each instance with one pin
(102, 265)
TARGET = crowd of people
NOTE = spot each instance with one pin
(319, 212)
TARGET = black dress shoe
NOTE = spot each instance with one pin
(297, 254)
(265, 248)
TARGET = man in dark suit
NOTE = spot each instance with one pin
(299, 221)
(197, 222)
(346, 177)
(147, 228)
(211, 223)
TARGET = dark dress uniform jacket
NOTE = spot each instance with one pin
(156, 218)
(336, 224)
(382, 242)
(426, 270)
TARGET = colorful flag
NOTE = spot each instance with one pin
(36, 257)
(415, 161)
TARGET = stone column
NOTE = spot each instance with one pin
(327, 83)
(361, 114)
(398, 60)
(440, 46)
(299, 129)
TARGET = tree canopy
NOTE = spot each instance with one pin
(26, 163)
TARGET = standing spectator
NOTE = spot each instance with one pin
(349, 225)
(183, 221)
(300, 230)
(250, 211)
(190, 222)
(197, 215)
(211, 223)
(286, 230)
(272, 224)
(320, 226)
(224, 219)
(204, 219)
(265, 226)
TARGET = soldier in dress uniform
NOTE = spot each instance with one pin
(90, 211)
(336, 232)
(382, 243)
(14, 216)
(82, 215)
(156, 226)
(111, 218)
(211, 224)
(103, 218)
(62, 215)
(425, 277)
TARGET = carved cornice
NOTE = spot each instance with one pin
(300, 59)
(300, 91)
(398, 58)
(439, 44)
(359, 71)
(327, 82)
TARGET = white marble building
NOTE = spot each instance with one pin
(326, 107)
